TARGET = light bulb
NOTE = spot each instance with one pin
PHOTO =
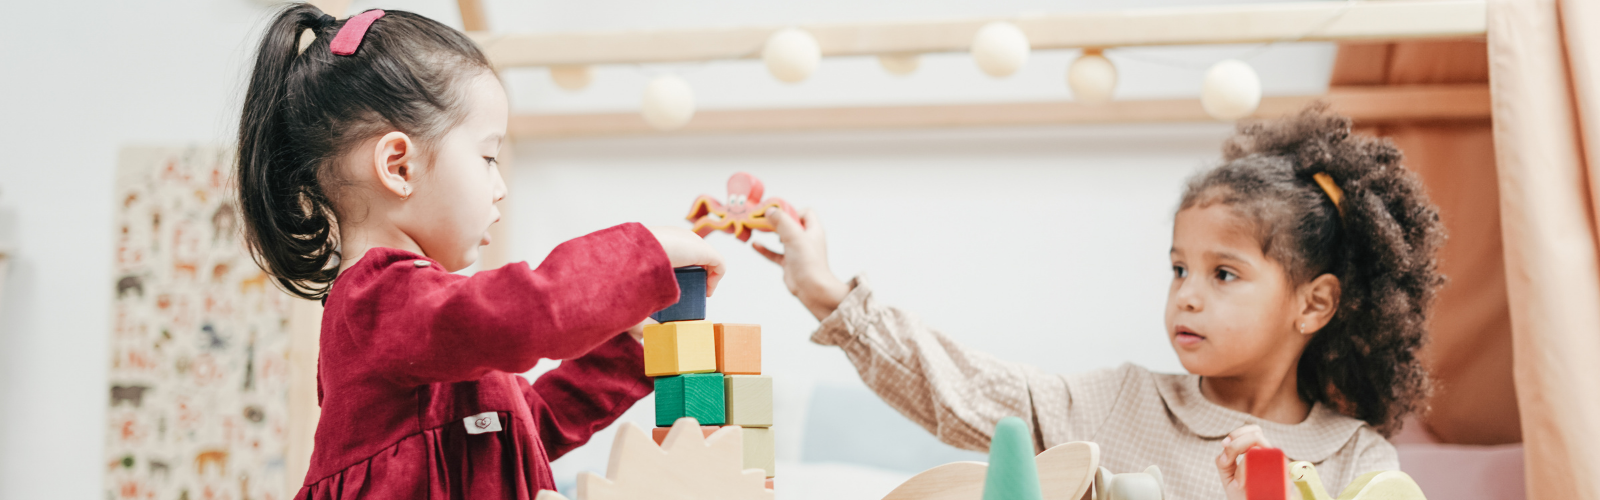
(1000, 49)
(668, 103)
(1231, 90)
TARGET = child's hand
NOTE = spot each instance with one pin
(638, 330)
(684, 248)
(1229, 462)
(805, 262)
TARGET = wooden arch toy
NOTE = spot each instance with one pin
(1066, 472)
(744, 212)
(688, 465)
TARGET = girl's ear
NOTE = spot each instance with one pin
(1320, 300)
(391, 161)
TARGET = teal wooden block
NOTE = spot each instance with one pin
(697, 395)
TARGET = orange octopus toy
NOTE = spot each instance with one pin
(744, 213)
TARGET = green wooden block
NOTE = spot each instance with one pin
(697, 395)
(1012, 475)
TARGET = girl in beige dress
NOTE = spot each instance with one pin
(1302, 275)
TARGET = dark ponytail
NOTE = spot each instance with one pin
(1382, 248)
(305, 111)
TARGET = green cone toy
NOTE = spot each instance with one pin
(1013, 474)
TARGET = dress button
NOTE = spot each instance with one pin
(420, 263)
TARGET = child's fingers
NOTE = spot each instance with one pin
(786, 227)
(1226, 467)
(775, 257)
(811, 221)
(1234, 446)
(637, 332)
(685, 248)
(1243, 439)
(714, 272)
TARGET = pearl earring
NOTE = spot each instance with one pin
(1302, 328)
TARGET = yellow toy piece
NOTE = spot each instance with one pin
(679, 347)
(1381, 485)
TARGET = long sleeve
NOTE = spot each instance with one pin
(956, 393)
(423, 325)
(584, 395)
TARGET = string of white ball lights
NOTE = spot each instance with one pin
(791, 55)
(1000, 49)
(1230, 89)
(668, 102)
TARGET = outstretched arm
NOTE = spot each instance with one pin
(426, 325)
(952, 391)
(584, 395)
(955, 393)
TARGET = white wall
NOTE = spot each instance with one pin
(80, 79)
(77, 81)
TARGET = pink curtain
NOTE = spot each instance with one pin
(1544, 56)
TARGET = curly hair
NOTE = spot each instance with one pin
(1382, 249)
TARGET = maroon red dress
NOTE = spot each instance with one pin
(413, 358)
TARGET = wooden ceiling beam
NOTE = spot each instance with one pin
(1364, 104)
(1250, 23)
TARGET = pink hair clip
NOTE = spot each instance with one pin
(354, 29)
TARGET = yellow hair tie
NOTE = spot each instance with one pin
(1334, 193)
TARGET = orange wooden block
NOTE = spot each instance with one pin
(660, 433)
(738, 349)
(769, 484)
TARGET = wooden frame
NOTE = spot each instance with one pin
(1262, 23)
(473, 18)
(1365, 104)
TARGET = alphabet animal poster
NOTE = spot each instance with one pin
(199, 339)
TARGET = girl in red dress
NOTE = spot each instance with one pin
(366, 177)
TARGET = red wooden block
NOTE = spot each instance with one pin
(660, 433)
(1264, 475)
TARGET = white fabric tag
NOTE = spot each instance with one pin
(483, 422)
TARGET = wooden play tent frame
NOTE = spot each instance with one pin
(1365, 21)
(1396, 20)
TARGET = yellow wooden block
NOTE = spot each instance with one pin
(758, 449)
(738, 349)
(679, 347)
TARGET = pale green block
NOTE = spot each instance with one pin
(749, 400)
(1013, 474)
(759, 450)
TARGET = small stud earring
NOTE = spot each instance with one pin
(1302, 328)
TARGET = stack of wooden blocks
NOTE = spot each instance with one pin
(710, 372)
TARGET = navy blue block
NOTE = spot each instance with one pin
(691, 297)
